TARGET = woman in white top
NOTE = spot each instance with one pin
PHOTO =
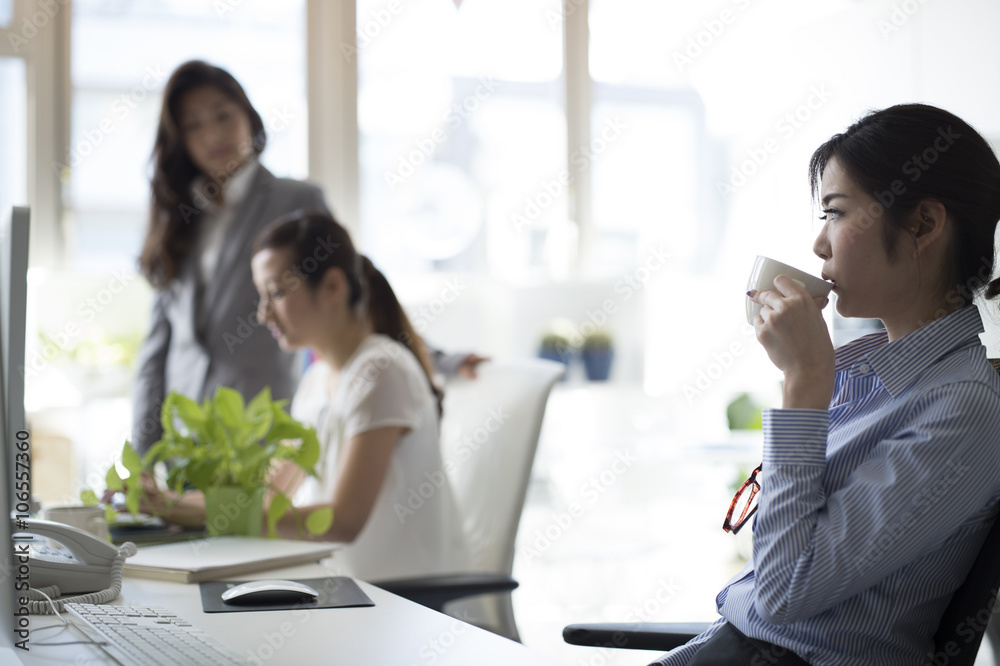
(371, 398)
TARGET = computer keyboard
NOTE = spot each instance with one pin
(147, 636)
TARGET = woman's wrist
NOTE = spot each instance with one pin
(807, 391)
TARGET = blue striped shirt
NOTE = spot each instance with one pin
(871, 512)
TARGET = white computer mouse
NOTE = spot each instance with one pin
(269, 592)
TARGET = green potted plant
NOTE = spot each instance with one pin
(598, 352)
(557, 345)
(225, 449)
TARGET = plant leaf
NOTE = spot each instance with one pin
(110, 514)
(229, 408)
(319, 521)
(112, 480)
(88, 497)
(308, 454)
(259, 415)
(280, 504)
(167, 415)
(132, 495)
(253, 464)
(200, 474)
(290, 430)
(131, 462)
(190, 413)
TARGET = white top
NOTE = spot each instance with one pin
(414, 528)
(215, 218)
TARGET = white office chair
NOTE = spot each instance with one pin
(489, 434)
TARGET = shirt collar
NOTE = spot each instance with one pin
(898, 363)
(233, 190)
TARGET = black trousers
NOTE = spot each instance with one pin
(729, 647)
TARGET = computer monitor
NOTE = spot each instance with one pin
(8, 563)
(13, 311)
(13, 301)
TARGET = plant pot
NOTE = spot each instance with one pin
(597, 363)
(232, 510)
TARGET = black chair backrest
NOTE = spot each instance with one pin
(972, 606)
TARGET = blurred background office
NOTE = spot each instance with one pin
(521, 169)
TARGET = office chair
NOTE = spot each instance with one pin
(977, 592)
(489, 434)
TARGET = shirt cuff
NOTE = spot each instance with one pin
(795, 436)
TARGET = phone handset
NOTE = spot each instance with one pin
(84, 546)
(92, 564)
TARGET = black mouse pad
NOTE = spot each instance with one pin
(335, 592)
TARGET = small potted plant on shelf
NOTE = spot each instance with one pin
(225, 449)
(556, 344)
(598, 352)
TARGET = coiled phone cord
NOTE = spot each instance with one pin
(44, 601)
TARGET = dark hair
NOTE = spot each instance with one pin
(173, 219)
(318, 243)
(908, 153)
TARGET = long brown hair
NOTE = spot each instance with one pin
(319, 243)
(173, 219)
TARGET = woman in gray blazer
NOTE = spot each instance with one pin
(210, 200)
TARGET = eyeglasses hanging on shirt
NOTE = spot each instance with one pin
(744, 504)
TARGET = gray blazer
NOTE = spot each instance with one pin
(200, 341)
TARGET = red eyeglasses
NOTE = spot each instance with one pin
(744, 504)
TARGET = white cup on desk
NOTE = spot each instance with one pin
(87, 518)
(762, 277)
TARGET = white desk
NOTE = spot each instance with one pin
(393, 632)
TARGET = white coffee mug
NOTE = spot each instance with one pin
(762, 278)
(87, 518)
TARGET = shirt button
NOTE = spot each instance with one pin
(864, 368)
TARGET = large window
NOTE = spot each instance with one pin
(450, 103)
(13, 125)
